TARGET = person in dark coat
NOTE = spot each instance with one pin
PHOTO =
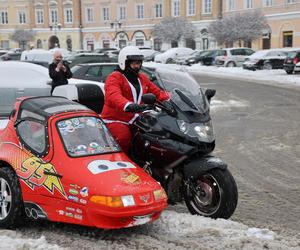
(59, 71)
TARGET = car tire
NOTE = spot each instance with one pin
(231, 64)
(267, 66)
(289, 72)
(170, 60)
(11, 203)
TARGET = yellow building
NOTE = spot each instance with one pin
(53, 23)
(91, 24)
(283, 17)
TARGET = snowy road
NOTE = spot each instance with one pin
(257, 130)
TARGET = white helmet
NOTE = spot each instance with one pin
(132, 53)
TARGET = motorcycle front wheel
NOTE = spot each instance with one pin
(212, 194)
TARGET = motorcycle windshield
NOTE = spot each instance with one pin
(185, 91)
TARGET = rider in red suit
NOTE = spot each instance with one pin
(123, 92)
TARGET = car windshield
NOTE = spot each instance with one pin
(86, 135)
(185, 91)
(292, 54)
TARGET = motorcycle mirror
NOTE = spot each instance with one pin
(209, 93)
(149, 98)
(153, 78)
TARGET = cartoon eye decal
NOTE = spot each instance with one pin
(91, 122)
(121, 164)
(94, 145)
(103, 167)
(80, 149)
(62, 124)
(75, 121)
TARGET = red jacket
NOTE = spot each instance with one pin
(119, 92)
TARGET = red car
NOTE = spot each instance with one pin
(59, 162)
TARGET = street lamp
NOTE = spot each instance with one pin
(116, 25)
(54, 41)
(55, 27)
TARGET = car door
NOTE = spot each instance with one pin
(106, 70)
(92, 73)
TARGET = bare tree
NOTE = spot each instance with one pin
(23, 36)
(238, 27)
(173, 29)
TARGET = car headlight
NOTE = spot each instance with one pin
(204, 131)
(113, 201)
(159, 194)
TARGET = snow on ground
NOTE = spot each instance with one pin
(10, 240)
(271, 77)
(172, 231)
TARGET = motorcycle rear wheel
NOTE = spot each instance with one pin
(212, 194)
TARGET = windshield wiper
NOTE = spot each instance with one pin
(185, 99)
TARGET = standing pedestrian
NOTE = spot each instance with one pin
(59, 71)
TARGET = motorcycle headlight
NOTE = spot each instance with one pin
(204, 131)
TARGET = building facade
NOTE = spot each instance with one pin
(283, 17)
(91, 24)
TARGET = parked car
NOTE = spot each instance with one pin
(266, 59)
(103, 50)
(20, 79)
(99, 71)
(42, 55)
(93, 71)
(150, 57)
(3, 51)
(291, 61)
(188, 59)
(170, 55)
(233, 57)
(11, 56)
(297, 68)
(208, 57)
(60, 163)
(88, 58)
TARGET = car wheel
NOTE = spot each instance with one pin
(289, 72)
(267, 66)
(170, 60)
(230, 64)
(11, 203)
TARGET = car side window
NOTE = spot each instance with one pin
(93, 71)
(33, 134)
(107, 69)
(248, 52)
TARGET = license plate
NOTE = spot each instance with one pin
(139, 220)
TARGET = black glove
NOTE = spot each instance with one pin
(135, 108)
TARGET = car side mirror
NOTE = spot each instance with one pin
(209, 93)
(149, 98)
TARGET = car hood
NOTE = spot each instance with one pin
(110, 175)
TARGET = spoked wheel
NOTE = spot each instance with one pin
(213, 194)
(11, 204)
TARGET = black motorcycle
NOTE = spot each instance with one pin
(173, 140)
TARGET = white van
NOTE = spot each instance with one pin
(41, 55)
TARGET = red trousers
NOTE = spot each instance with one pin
(122, 134)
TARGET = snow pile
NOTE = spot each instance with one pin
(12, 240)
(174, 230)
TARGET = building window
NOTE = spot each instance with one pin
(290, 1)
(288, 39)
(4, 17)
(122, 13)
(68, 16)
(267, 3)
(53, 15)
(176, 8)
(190, 7)
(157, 44)
(231, 4)
(158, 10)
(139, 42)
(89, 15)
(105, 43)
(39, 15)
(248, 4)
(4, 44)
(105, 13)
(140, 11)
(22, 17)
(206, 8)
